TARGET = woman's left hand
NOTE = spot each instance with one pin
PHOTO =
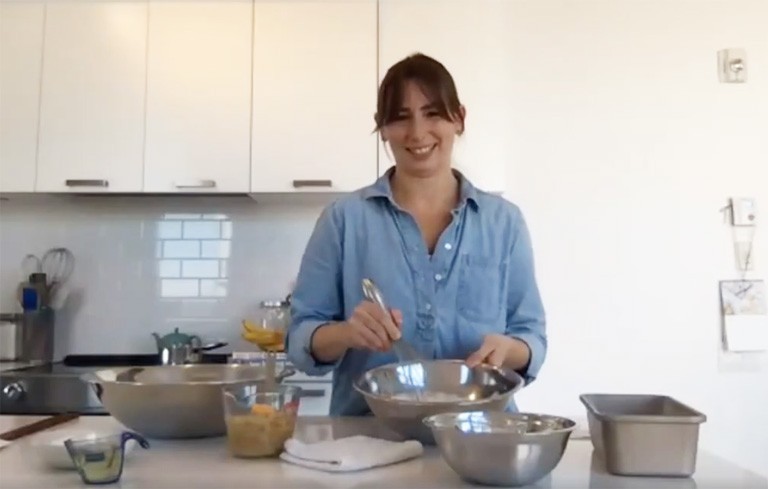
(499, 350)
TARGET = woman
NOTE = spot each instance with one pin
(453, 262)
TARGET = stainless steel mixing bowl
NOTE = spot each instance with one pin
(501, 448)
(401, 395)
(174, 401)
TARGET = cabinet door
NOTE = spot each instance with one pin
(21, 56)
(467, 37)
(314, 95)
(199, 96)
(92, 102)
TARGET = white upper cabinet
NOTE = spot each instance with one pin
(92, 97)
(468, 38)
(21, 57)
(199, 96)
(314, 95)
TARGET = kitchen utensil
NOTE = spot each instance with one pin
(173, 401)
(172, 339)
(36, 336)
(500, 448)
(49, 447)
(259, 420)
(182, 354)
(404, 351)
(100, 460)
(58, 264)
(37, 426)
(178, 348)
(643, 434)
(10, 325)
(443, 386)
(30, 264)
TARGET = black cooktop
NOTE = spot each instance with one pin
(74, 364)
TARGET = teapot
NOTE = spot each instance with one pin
(179, 348)
(175, 339)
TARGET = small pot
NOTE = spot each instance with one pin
(186, 353)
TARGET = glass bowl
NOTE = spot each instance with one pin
(259, 420)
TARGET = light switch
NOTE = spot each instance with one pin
(732, 65)
(744, 211)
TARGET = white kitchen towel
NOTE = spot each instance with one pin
(349, 454)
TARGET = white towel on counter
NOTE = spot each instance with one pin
(349, 454)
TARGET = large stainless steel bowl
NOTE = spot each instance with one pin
(501, 448)
(441, 386)
(174, 401)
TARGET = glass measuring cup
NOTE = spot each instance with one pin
(100, 460)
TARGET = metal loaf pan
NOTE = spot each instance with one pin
(642, 434)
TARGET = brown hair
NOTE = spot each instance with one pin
(433, 78)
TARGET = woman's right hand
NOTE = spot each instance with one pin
(370, 328)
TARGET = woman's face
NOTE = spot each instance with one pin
(420, 139)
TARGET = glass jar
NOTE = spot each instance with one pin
(275, 315)
(268, 329)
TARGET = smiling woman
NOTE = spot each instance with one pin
(454, 262)
(419, 114)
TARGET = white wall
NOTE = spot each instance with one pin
(624, 150)
(626, 146)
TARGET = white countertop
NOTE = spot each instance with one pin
(205, 463)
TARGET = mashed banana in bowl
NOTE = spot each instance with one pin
(261, 433)
(259, 424)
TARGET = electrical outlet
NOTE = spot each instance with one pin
(743, 211)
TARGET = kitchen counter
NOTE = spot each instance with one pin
(205, 463)
(5, 366)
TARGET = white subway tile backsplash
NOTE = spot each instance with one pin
(213, 288)
(150, 264)
(174, 287)
(202, 230)
(200, 268)
(215, 249)
(226, 230)
(169, 230)
(169, 268)
(181, 249)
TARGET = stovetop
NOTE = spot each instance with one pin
(56, 388)
(77, 364)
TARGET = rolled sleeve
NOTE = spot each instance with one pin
(525, 311)
(300, 351)
(317, 297)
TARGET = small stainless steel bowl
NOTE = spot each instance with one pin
(391, 392)
(500, 448)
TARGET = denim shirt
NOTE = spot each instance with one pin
(479, 280)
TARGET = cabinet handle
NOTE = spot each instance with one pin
(312, 183)
(86, 183)
(312, 392)
(195, 184)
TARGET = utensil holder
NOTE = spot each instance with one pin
(34, 337)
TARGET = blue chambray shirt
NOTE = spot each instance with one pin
(479, 280)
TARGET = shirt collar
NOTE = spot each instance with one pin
(382, 188)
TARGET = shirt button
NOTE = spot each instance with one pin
(448, 246)
(428, 307)
(438, 277)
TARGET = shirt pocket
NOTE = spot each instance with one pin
(480, 291)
